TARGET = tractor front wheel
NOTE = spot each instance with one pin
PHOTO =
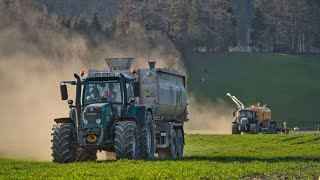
(235, 128)
(62, 137)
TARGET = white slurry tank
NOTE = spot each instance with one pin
(165, 91)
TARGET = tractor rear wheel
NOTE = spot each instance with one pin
(86, 155)
(62, 137)
(146, 139)
(253, 128)
(126, 140)
(170, 152)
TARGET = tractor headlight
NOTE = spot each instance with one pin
(98, 121)
(85, 121)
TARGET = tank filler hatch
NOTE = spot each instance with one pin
(119, 63)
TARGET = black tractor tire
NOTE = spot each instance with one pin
(180, 144)
(273, 128)
(126, 140)
(235, 129)
(63, 135)
(170, 152)
(146, 139)
(253, 128)
(86, 155)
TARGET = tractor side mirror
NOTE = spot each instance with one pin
(234, 114)
(136, 89)
(64, 92)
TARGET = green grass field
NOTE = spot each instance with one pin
(288, 84)
(207, 157)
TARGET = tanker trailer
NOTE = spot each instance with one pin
(253, 119)
(132, 112)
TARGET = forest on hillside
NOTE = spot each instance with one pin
(191, 25)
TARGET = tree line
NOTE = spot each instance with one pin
(286, 25)
(189, 24)
(202, 25)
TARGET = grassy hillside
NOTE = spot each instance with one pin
(288, 84)
(207, 156)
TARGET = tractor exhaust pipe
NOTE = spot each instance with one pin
(78, 96)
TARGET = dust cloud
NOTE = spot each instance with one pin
(36, 54)
(30, 101)
(208, 117)
(34, 58)
(32, 63)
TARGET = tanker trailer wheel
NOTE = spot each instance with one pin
(180, 145)
(253, 128)
(126, 140)
(235, 129)
(170, 152)
(273, 128)
(146, 139)
(62, 137)
(86, 155)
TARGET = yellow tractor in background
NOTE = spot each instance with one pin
(253, 119)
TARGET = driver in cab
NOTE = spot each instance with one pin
(111, 95)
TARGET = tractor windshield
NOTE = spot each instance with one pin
(102, 91)
(246, 114)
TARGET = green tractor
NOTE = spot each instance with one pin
(122, 111)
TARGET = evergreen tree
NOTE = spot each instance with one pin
(259, 30)
(81, 25)
(66, 22)
(4, 4)
(316, 42)
(194, 24)
(96, 24)
(109, 28)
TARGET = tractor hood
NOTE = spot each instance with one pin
(96, 114)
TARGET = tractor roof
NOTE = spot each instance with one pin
(99, 73)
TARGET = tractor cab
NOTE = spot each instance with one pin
(244, 118)
(103, 97)
(107, 87)
(246, 113)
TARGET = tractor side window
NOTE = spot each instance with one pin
(129, 90)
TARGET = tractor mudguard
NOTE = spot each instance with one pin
(136, 113)
(141, 111)
(64, 120)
